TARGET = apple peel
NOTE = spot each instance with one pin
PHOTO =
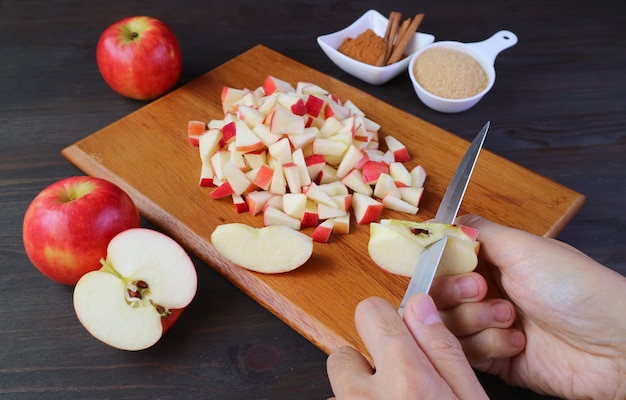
(144, 283)
(396, 245)
(271, 249)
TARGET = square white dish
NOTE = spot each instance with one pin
(374, 75)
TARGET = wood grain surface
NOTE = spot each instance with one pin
(147, 153)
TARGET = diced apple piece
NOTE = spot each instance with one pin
(334, 188)
(195, 129)
(349, 161)
(236, 178)
(330, 127)
(385, 185)
(366, 209)
(400, 174)
(263, 177)
(412, 195)
(250, 115)
(206, 175)
(325, 212)
(399, 150)
(310, 216)
(298, 158)
(272, 249)
(314, 165)
(223, 190)
(310, 88)
(294, 204)
(327, 174)
(278, 185)
(292, 177)
(254, 160)
(228, 132)
(314, 105)
(273, 84)
(328, 147)
(418, 176)
(274, 216)
(322, 232)
(281, 151)
(240, 204)
(354, 180)
(341, 225)
(316, 194)
(257, 200)
(218, 159)
(372, 170)
(301, 140)
(284, 121)
(263, 132)
(245, 139)
(208, 144)
(395, 203)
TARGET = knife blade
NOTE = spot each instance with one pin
(428, 262)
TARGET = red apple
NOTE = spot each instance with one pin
(69, 224)
(139, 57)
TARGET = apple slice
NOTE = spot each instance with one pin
(143, 285)
(271, 249)
(396, 245)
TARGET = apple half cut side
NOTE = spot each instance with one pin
(396, 245)
(141, 289)
(271, 249)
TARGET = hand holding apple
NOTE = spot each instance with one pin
(69, 224)
(139, 57)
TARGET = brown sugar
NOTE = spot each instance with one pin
(367, 47)
(450, 73)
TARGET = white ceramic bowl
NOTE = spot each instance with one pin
(484, 53)
(375, 21)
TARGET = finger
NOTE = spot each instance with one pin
(471, 318)
(347, 371)
(491, 344)
(441, 347)
(384, 333)
(452, 290)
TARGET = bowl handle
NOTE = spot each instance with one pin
(491, 47)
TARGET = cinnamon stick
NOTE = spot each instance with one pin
(390, 35)
(404, 37)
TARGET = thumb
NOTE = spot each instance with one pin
(441, 347)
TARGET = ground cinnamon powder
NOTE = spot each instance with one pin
(367, 47)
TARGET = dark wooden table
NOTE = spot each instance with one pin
(558, 108)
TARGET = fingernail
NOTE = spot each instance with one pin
(517, 339)
(426, 311)
(466, 287)
(501, 312)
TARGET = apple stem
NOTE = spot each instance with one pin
(108, 267)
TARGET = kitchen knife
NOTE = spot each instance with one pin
(429, 260)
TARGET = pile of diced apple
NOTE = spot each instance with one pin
(303, 158)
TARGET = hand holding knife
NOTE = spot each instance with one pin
(429, 260)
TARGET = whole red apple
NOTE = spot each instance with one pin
(139, 57)
(68, 226)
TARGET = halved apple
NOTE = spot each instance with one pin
(144, 284)
(271, 249)
(396, 245)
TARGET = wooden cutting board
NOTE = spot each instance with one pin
(147, 153)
